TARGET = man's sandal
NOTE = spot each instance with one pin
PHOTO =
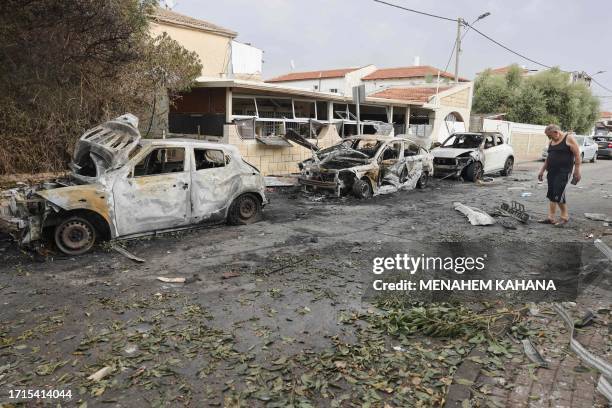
(547, 221)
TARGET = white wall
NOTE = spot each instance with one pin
(325, 84)
(344, 85)
(246, 59)
(380, 84)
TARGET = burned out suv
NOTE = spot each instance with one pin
(122, 186)
(367, 165)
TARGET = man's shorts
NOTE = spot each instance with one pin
(557, 182)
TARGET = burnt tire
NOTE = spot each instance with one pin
(75, 235)
(245, 209)
(473, 172)
(423, 180)
(508, 167)
(362, 189)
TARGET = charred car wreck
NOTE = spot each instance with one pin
(471, 155)
(367, 165)
(121, 186)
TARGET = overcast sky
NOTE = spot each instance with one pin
(325, 34)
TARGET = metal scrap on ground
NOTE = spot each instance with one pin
(533, 354)
(127, 253)
(474, 215)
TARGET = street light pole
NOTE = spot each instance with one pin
(458, 49)
(461, 22)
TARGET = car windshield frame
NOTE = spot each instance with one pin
(456, 136)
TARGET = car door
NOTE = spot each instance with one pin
(391, 163)
(155, 195)
(215, 181)
(492, 154)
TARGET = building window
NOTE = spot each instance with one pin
(333, 90)
(315, 87)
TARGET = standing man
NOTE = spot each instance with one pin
(563, 157)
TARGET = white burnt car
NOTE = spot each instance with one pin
(122, 186)
(368, 165)
(471, 155)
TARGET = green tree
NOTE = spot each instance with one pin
(491, 93)
(543, 98)
(66, 65)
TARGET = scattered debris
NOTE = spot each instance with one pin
(606, 250)
(100, 374)
(590, 359)
(230, 274)
(127, 253)
(526, 194)
(598, 217)
(515, 210)
(171, 280)
(533, 354)
(474, 215)
(586, 320)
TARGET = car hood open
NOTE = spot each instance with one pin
(108, 145)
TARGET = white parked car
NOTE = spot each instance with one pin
(122, 186)
(471, 155)
(588, 148)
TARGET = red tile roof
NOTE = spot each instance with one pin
(172, 17)
(296, 76)
(504, 70)
(605, 115)
(409, 72)
(421, 94)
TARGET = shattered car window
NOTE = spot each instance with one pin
(208, 158)
(463, 141)
(368, 147)
(161, 161)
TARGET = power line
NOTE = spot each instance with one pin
(594, 80)
(416, 11)
(470, 26)
(508, 49)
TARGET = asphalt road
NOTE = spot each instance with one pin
(280, 287)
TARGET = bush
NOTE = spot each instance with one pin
(67, 65)
(544, 98)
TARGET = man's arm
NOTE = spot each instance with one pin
(542, 170)
(573, 145)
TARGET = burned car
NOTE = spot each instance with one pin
(471, 155)
(367, 165)
(121, 186)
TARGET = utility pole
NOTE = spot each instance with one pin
(458, 48)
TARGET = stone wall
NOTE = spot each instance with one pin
(528, 146)
(459, 99)
(274, 160)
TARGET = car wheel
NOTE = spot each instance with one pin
(362, 189)
(246, 209)
(423, 180)
(75, 236)
(581, 157)
(473, 172)
(508, 166)
(594, 159)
